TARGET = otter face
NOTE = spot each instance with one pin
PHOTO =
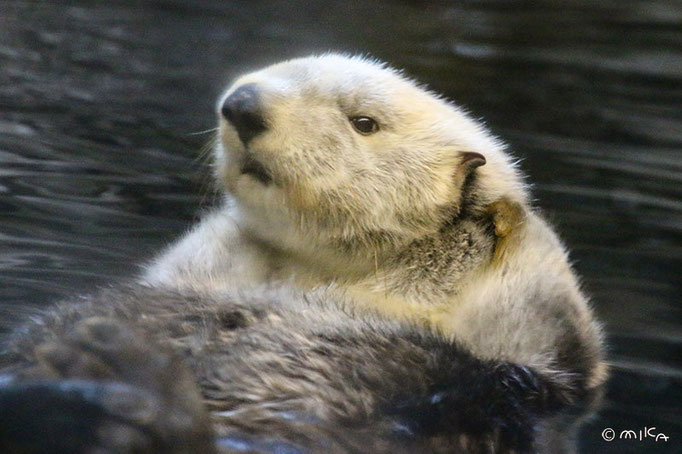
(344, 146)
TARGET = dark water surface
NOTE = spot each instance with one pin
(101, 103)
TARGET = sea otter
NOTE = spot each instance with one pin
(375, 280)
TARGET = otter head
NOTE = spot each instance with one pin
(346, 148)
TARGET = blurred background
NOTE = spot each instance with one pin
(104, 108)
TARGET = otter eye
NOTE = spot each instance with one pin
(364, 125)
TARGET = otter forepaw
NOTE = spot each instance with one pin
(104, 388)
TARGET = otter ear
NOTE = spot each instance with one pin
(471, 160)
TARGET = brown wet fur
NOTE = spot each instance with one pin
(508, 216)
(273, 367)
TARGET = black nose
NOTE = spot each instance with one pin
(243, 109)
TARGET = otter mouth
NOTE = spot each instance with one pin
(252, 167)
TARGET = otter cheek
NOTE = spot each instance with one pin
(304, 181)
(301, 196)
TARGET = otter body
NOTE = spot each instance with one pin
(278, 372)
(375, 280)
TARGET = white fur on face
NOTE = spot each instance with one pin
(401, 180)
